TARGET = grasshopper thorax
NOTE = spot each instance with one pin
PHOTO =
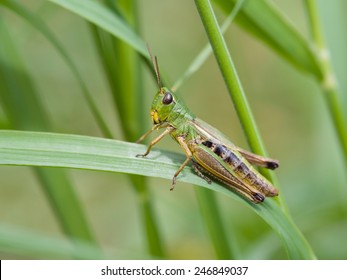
(162, 106)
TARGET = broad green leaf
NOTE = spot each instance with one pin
(73, 151)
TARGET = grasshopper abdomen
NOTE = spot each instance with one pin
(240, 170)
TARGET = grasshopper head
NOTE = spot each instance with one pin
(163, 103)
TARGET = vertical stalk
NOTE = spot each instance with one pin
(328, 82)
(301, 248)
(233, 84)
(121, 66)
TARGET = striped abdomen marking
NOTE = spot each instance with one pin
(242, 170)
(228, 157)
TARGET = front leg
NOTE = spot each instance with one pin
(168, 130)
(154, 127)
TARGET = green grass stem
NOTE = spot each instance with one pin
(328, 82)
(239, 99)
(232, 80)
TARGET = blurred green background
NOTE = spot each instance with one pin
(287, 104)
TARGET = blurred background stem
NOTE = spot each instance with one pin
(25, 111)
(328, 82)
(122, 68)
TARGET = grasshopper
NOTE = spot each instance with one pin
(211, 153)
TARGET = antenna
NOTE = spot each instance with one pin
(155, 66)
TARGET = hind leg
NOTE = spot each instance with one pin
(199, 173)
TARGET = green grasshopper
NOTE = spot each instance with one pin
(211, 153)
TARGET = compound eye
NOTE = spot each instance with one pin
(167, 99)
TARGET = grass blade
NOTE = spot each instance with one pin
(72, 151)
